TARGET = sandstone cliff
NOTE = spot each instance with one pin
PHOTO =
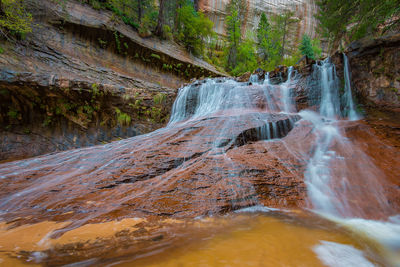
(83, 77)
(304, 10)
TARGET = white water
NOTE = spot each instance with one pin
(225, 100)
(349, 107)
(338, 255)
(285, 92)
(330, 197)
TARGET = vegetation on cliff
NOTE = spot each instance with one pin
(174, 20)
(352, 20)
(268, 48)
(14, 19)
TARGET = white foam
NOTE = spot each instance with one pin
(257, 208)
(338, 255)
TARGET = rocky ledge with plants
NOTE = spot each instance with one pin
(73, 76)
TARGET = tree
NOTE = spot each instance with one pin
(246, 56)
(14, 18)
(233, 37)
(306, 47)
(193, 28)
(283, 23)
(263, 37)
(316, 46)
(161, 20)
(354, 19)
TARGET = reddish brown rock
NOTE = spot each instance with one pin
(68, 84)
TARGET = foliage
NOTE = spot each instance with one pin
(155, 56)
(14, 17)
(310, 48)
(167, 33)
(263, 37)
(316, 46)
(292, 59)
(282, 25)
(122, 118)
(269, 37)
(306, 47)
(233, 38)
(159, 98)
(246, 56)
(354, 19)
(193, 28)
(117, 42)
(148, 22)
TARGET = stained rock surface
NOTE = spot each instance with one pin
(83, 77)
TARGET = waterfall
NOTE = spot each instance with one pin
(285, 91)
(228, 145)
(325, 73)
(336, 164)
(349, 105)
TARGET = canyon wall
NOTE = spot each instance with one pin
(83, 77)
(303, 9)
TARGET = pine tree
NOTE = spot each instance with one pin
(306, 47)
(233, 38)
(246, 56)
(193, 28)
(263, 37)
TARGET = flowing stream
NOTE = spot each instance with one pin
(223, 138)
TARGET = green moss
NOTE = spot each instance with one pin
(47, 121)
(13, 114)
(4, 92)
(58, 110)
(1, 50)
(117, 42)
(102, 43)
(159, 98)
(122, 118)
(155, 56)
(379, 71)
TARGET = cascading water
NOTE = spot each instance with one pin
(285, 91)
(349, 107)
(332, 170)
(228, 145)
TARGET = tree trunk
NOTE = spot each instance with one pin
(284, 38)
(177, 6)
(1, 8)
(196, 5)
(160, 22)
(140, 11)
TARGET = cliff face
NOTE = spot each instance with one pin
(376, 71)
(304, 10)
(83, 77)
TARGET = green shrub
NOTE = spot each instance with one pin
(159, 98)
(192, 28)
(122, 118)
(155, 56)
(15, 18)
(167, 33)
